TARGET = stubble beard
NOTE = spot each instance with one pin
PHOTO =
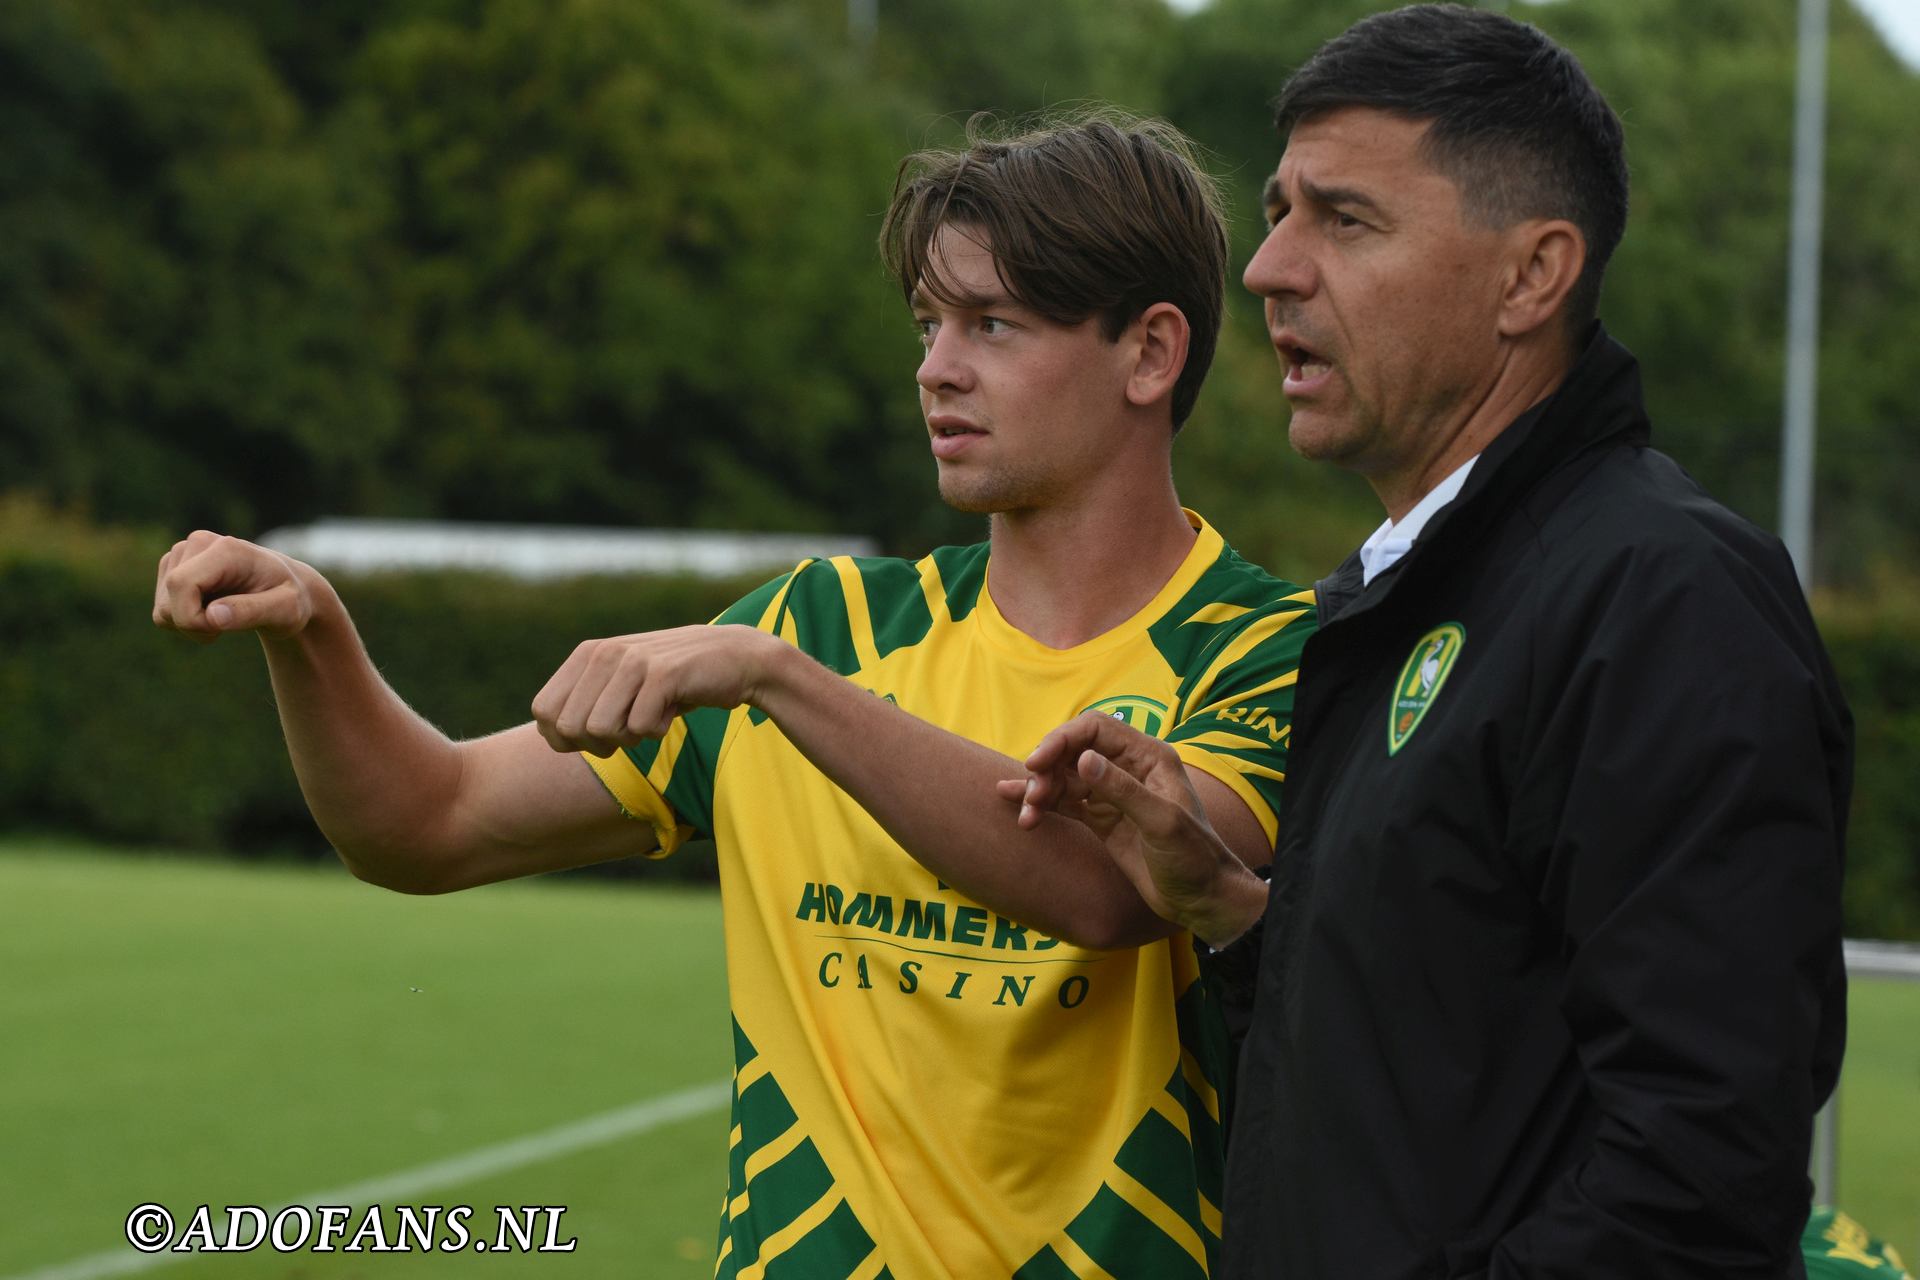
(1326, 437)
(987, 492)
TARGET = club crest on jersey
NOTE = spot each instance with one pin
(1144, 714)
(1419, 684)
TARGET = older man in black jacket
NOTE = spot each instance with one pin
(1549, 982)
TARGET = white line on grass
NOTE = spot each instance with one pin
(594, 1131)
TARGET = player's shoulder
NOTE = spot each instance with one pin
(1232, 576)
(1234, 611)
(956, 574)
(822, 578)
(1232, 593)
(842, 606)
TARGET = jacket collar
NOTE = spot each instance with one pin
(1599, 403)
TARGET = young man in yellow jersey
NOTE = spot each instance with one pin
(962, 1048)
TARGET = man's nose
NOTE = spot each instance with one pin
(1280, 267)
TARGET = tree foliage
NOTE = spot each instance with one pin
(638, 275)
(611, 260)
(1698, 289)
(194, 314)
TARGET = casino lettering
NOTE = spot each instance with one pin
(887, 919)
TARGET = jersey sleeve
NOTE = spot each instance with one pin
(667, 782)
(1235, 717)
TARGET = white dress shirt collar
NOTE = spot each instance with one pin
(1395, 538)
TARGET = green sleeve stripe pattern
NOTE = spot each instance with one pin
(1126, 1243)
(832, 1249)
(817, 606)
(751, 609)
(764, 1115)
(963, 572)
(777, 1195)
(1183, 1171)
(743, 1050)
(783, 1192)
(1236, 640)
(1045, 1265)
(814, 613)
(1203, 1033)
(690, 790)
(1154, 1156)
(1250, 698)
(1220, 601)
(643, 754)
(896, 606)
(848, 611)
(1202, 1024)
(1209, 1143)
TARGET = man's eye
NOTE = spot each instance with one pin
(993, 324)
(924, 328)
(1346, 221)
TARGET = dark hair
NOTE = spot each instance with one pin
(1098, 214)
(1516, 124)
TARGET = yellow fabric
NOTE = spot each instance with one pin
(967, 1082)
(639, 799)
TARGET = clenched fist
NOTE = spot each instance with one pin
(210, 584)
(613, 693)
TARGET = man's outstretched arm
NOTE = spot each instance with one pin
(933, 791)
(406, 808)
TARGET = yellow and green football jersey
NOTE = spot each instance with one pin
(1835, 1247)
(924, 1088)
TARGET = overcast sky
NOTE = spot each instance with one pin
(1899, 21)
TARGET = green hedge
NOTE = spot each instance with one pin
(1876, 650)
(112, 729)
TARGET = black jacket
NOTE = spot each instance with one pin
(1554, 988)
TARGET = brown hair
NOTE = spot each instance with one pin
(1097, 214)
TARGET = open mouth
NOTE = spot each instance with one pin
(947, 426)
(1304, 364)
(951, 434)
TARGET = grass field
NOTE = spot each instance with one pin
(190, 1033)
(195, 1032)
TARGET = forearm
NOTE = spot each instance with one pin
(935, 793)
(1235, 904)
(380, 781)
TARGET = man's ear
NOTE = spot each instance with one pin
(1545, 258)
(1156, 345)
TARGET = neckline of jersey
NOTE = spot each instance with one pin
(994, 626)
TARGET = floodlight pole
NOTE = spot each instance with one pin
(863, 19)
(1803, 291)
(1803, 377)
